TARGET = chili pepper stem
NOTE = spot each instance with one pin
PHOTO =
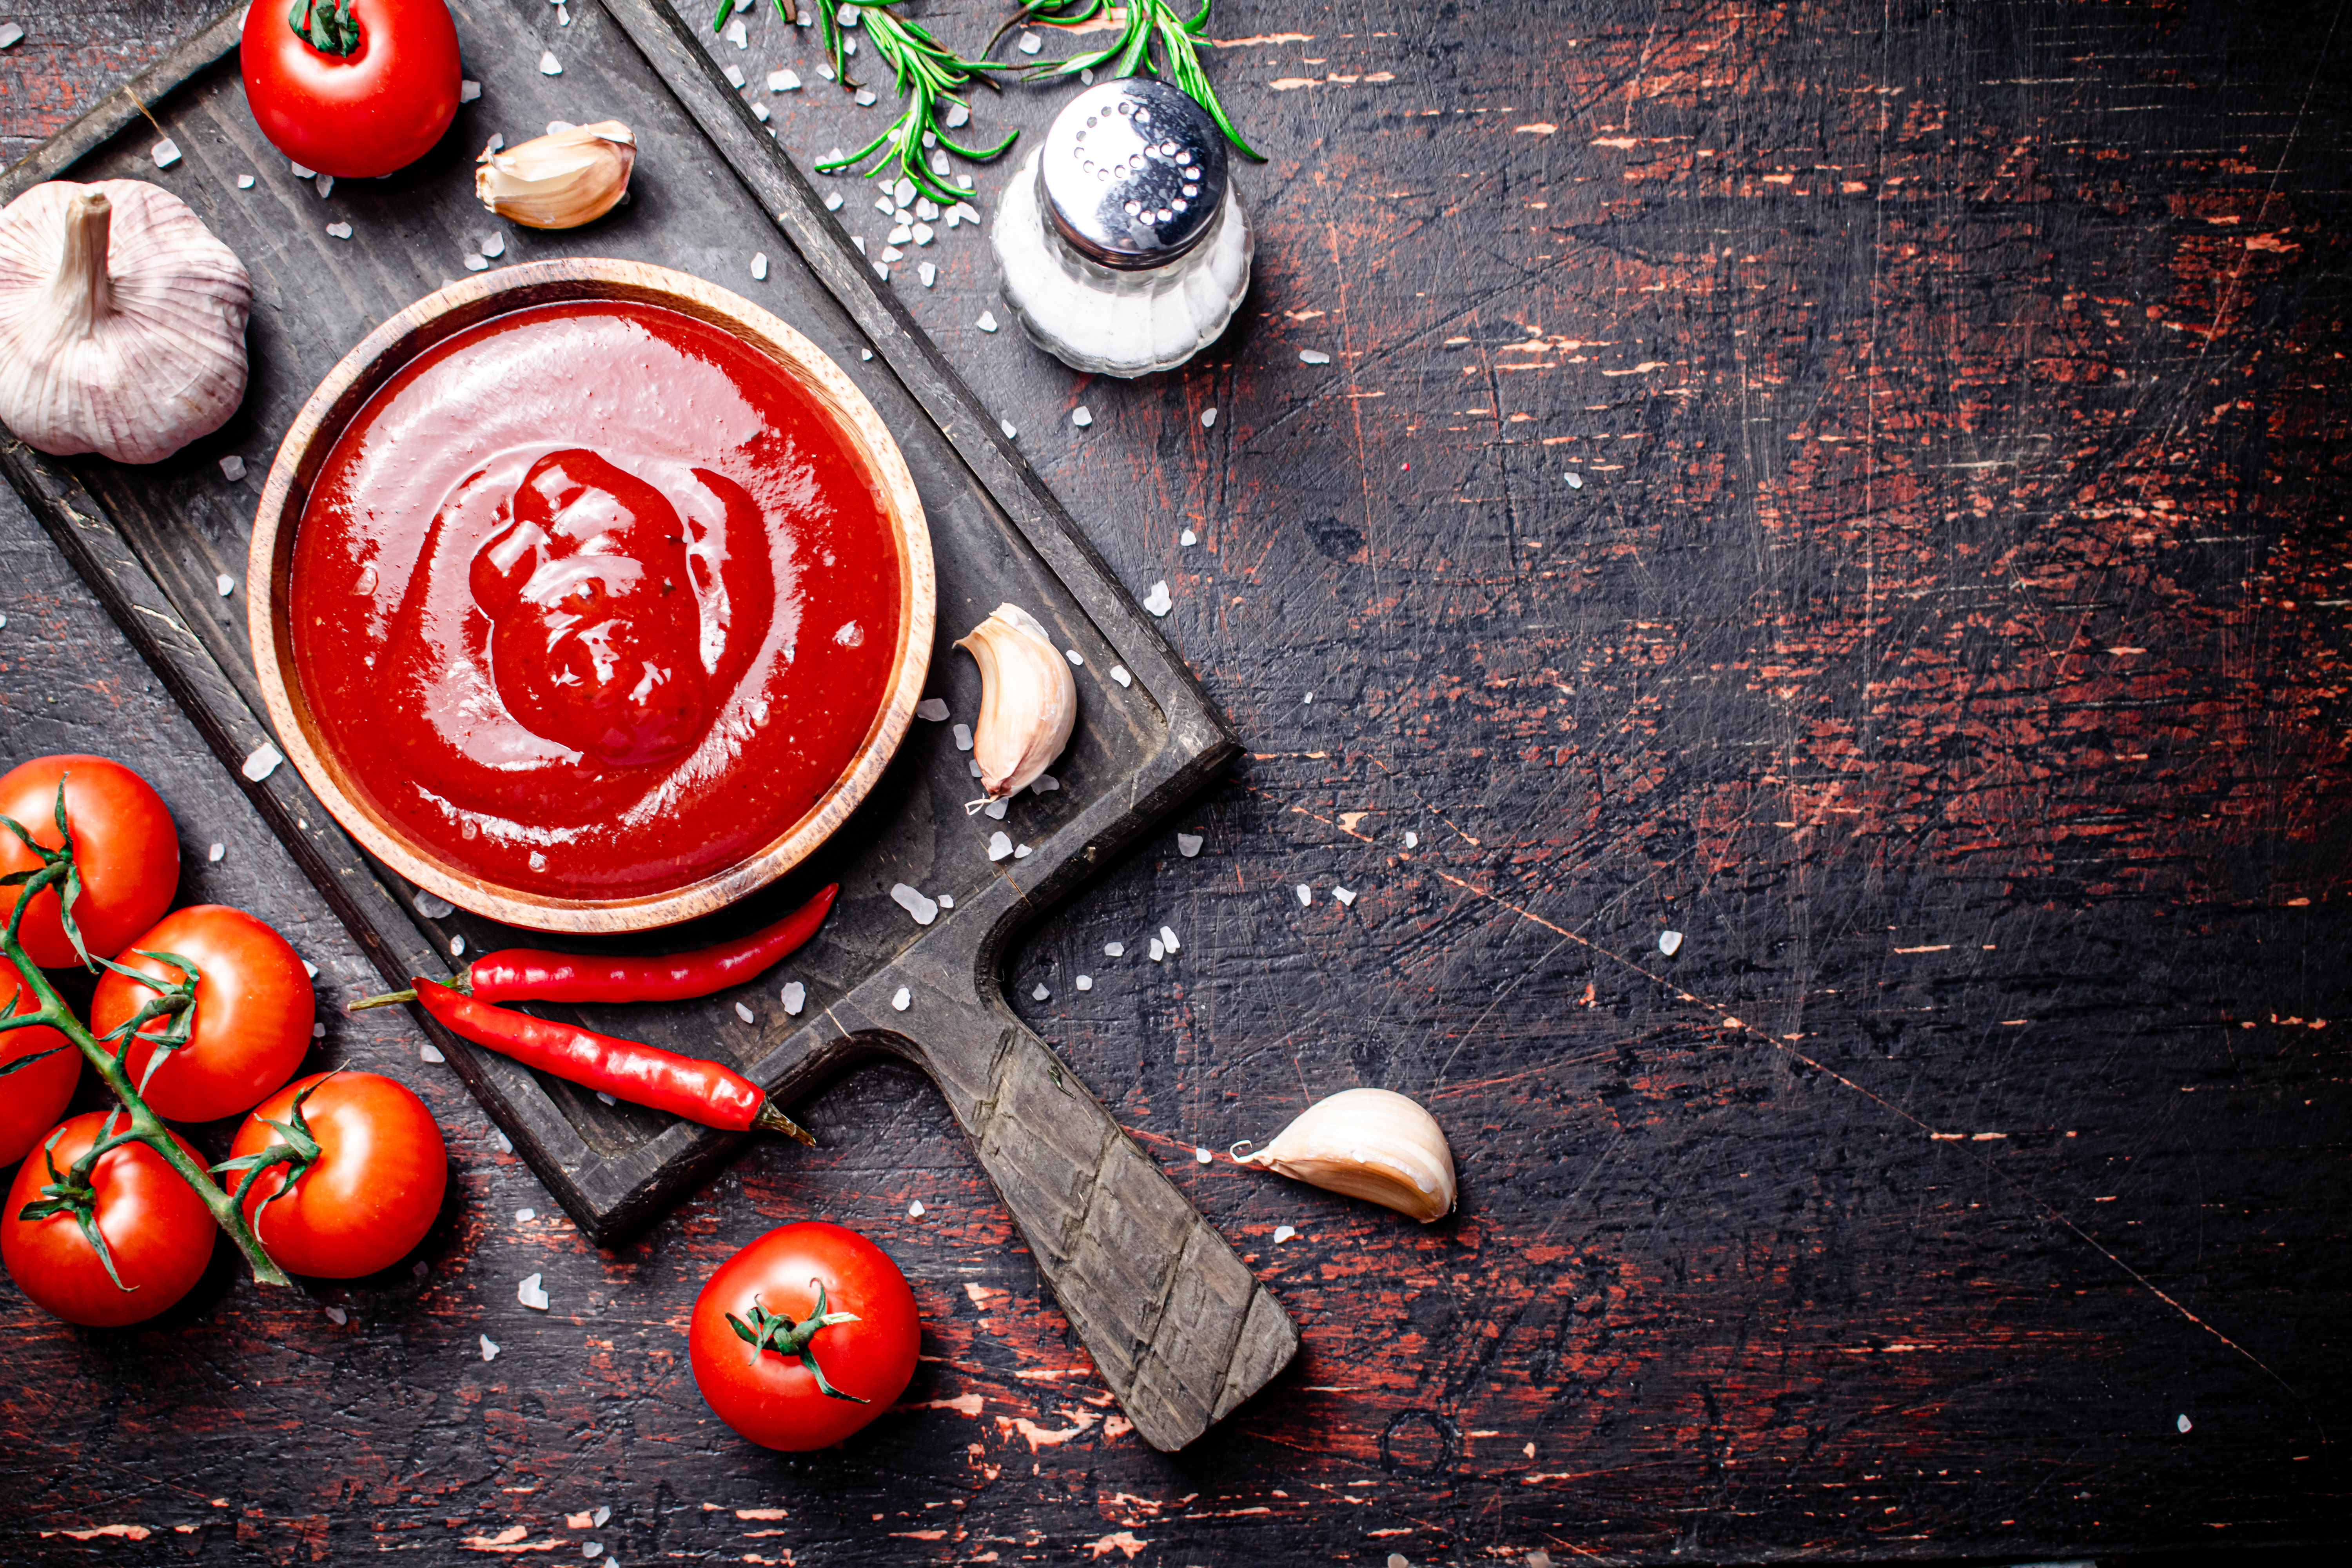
(145, 1127)
(402, 998)
(772, 1119)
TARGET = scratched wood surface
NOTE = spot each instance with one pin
(1949, 636)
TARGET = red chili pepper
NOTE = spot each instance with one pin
(529, 974)
(700, 1090)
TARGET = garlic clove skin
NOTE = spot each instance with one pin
(1028, 701)
(561, 180)
(121, 321)
(1367, 1144)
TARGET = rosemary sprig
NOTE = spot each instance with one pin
(1144, 23)
(931, 77)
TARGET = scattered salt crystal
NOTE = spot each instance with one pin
(301, 172)
(1020, 851)
(995, 809)
(262, 762)
(166, 153)
(318, 1031)
(833, 201)
(940, 166)
(2184, 1424)
(563, 19)
(965, 210)
(957, 115)
(1046, 783)
(340, 230)
(309, 969)
(796, 998)
(963, 737)
(457, 947)
(1575, 481)
(11, 36)
(745, 1014)
(476, 264)
(606, 1098)
(557, 127)
(215, 852)
(826, 71)
(1086, 981)
(1086, 77)
(468, 91)
(915, 1209)
(338, 1317)
(549, 65)
(865, 97)
(892, 253)
(245, 182)
(1412, 839)
(912, 900)
(1188, 539)
(505, 1144)
(1283, 1233)
(1082, 417)
(1006, 426)
(1040, 993)
(803, 20)
(1073, 655)
(1030, 43)
(1670, 942)
(947, 900)
(783, 81)
(434, 908)
(922, 234)
(901, 998)
(601, 1515)
(524, 1216)
(420, 1268)
(928, 273)
(1208, 417)
(1313, 356)
(1168, 939)
(1306, 894)
(759, 266)
(1188, 845)
(1114, 950)
(904, 190)
(1118, 673)
(1157, 601)
(759, 112)
(591, 1548)
(498, 139)
(1157, 952)
(987, 322)
(226, 584)
(1347, 897)
(1000, 846)
(1308, 698)
(1202, 1156)
(489, 1348)
(926, 209)
(734, 76)
(495, 247)
(858, 240)
(529, 1293)
(736, 36)
(899, 235)
(326, 186)
(431, 1054)
(932, 707)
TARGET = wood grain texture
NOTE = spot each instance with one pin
(1828, 665)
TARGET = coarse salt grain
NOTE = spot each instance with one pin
(1305, 895)
(833, 201)
(795, 997)
(735, 77)
(601, 1515)
(933, 708)
(927, 274)
(1086, 981)
(215, 852)
(524, 1216)
(1202, 1156)
(892, 253)
(995, 809)
(549, 65)
(1031, 43)
(1158, 953)
(865, 97)
(1313, 356)
(489, 1348)
(433, 907)
(1114, 950)
(1040, 994)
(245, 182)
(987, 322)
(1046, 783)
(760, 266)
(1188, 845)
(11, 36)
(1073, 655)
(606, 1098)
(736, 36)
(263, 763)
(915, 1209)
(1412, 839)
(858, 240)
(1020, 851)
(476, 264)
(745, 1014)
(431, 1054)
(922, 234)
(326, 186)
(226, 584)
(899, 235)
(166, 153)
(1283, 1233)
(318, 1031)
(1082, 417)
(1670, 942)
(468, 91)
(495, 247)
(309, 969)
(505, 1144)
(963, 737)
(1006, 426)
(301, 172)
(340, 230)
(1168, 939)
(1157, 601)
(457, 947)
(1000, 846)
(912, 900)
(901, 998)
(1347, 897)
(529, 1293)
(1573, 481)
(1188, 539)
(783, 81)
(957, 116)
(1118, 673)
(2184, 1426)
(1208, 419)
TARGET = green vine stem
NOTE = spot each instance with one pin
(57, 871)
(1142, 25)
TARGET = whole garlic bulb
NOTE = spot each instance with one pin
(1028, 701)
(121, 321)
(1369, 1143)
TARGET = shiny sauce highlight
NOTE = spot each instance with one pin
(593, 600)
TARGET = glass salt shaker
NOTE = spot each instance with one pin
(1120, 246)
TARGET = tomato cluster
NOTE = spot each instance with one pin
(341, 1174)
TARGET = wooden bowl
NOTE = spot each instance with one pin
(347, 389)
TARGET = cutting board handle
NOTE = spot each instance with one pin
(1176, 1324)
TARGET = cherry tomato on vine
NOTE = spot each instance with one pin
(33, 1098)
(158, 1232)
(251, 1021)
(351, 87)
(802, 1292)
(124, 844)
(370, 1193)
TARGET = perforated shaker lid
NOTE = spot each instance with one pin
(1132, 173)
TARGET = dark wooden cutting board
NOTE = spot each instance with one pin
(1174, 1321)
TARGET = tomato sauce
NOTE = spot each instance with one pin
(593, 600)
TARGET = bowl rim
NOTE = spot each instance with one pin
(434, 319)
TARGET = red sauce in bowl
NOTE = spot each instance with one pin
(593, 600)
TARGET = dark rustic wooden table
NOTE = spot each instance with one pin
(1863, 488)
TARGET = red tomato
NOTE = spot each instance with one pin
(252, 1013)
(772, 1398)
(372, 1194)
(157, 1230)
(33, 1098)
(377, 109)
(124, 842)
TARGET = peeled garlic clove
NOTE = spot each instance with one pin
(1028, 699)
(121, 321)
(1369, 1143)
(561, 180)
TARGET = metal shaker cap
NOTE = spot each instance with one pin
(1132, 173)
